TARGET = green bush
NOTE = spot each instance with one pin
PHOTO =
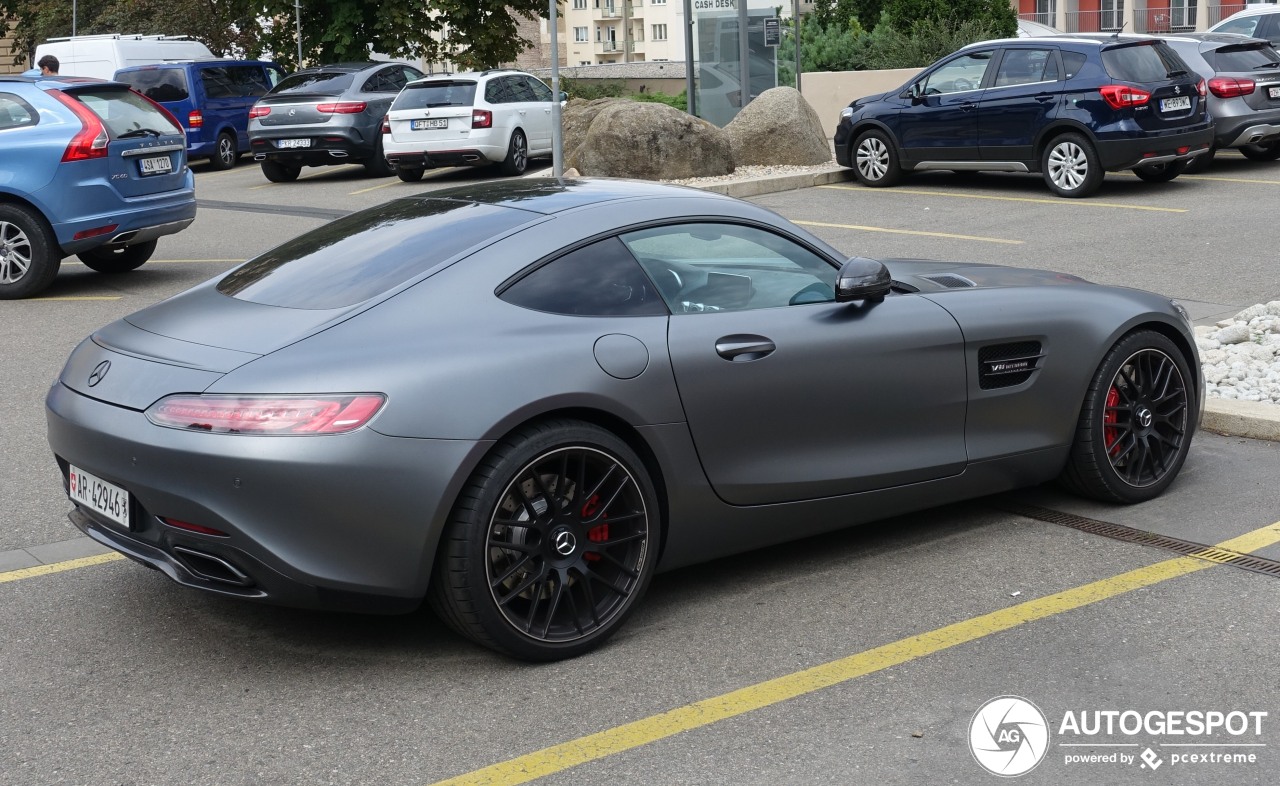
(928, 40)
(680, 102)
(997, 16)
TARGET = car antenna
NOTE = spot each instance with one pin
(1116, 35)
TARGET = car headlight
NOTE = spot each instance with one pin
(846, 113)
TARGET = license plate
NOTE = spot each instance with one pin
(155, 166)
(421, 125)
(98, 495)
(293, 143)
(1175, 104)
(1273, 92)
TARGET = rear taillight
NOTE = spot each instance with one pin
(188, 526)
(1230, 86)
(481, 118)
(386, 124)
(91, 140)
(1200, 88)
(258, 110)
(195, 119)
(1119, 96)
(266, 415)
(342, 108)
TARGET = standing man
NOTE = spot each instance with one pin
(48, 65)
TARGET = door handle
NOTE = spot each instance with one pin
(968, 106)
(1043, 97)
(744, 348)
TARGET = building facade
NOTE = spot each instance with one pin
(1133, 16)
(623, 31)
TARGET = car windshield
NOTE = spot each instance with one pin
(1151, 61)
(1244, 57)
(123, 111)
(326, 82)
(158, 84)
(439, 93)
(365, 254)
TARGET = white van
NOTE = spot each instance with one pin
(102, 55)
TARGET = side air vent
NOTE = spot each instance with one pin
(950, 281)
(1006, 365)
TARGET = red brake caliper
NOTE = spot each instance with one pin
(1111, 434)
(598, 533)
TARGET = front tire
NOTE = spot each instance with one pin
(277, 172)
(1070, 166)
(1136, 422)
(409, 175)
(29, 258)
(1268, 152)
(226, 155)
(517, 160)
(551, 544)
(875, 163)
(1161, 173)
(121, 259)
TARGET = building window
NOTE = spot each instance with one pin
(1112, 14)
(659, 32)
(657, 2)
(580, 5)
(580, 35)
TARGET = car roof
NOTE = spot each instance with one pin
(1253, 9)
(349, 68)
(195, 61)
(553, 195)
(58, 81)
(1218, 39)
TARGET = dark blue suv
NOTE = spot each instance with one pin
(1068, 107)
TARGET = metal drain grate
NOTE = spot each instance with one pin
(1107, 529)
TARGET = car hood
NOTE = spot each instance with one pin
(933, 276)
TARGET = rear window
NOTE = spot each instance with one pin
(368, 253)
(122, 111)
(1245, 57)
(327, 82)
(429, 94)
(158, 84)
(1147, 62)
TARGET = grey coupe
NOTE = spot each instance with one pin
(520, 400)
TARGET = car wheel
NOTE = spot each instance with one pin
(874, 161)
(1161, 173)
(409, 175)
(1070, 166)
(1200, 163)
(1135, 424)
(277, 172)
(1268, 152)
(551, 544)
(226, 155)
(29, 258)
(120, 259)
(378, 166)
(517, 160)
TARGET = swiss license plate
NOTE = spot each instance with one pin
(421, 125)
(155, 166)
(1175, 104)
(1273, 92)
(98, 495)
(293, 143)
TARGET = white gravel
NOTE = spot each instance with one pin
(747, 172)
(1241, 355)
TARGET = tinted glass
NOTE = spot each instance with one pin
(1142, 63)
(963, 73)
(1244, 25)
(422, 95)
(365, 254)
(1246, 57)
(158, 84)
(326, 82)
(388, 80)
(599, 280)
(1072, 62)
(498, 91)
(520, 89)
(122, 111)
(234, 81)
(540, 91)
(15, 113)
(1024, 66)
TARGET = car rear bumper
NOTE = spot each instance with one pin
(155, 217)
(1248, 134)
(1127, 153)
(469, 157)
(330, 146)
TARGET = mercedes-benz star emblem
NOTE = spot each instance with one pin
(565, 543)
(99, 372)
(1145, 417)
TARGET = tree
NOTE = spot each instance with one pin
(996, 15)
(840, 12)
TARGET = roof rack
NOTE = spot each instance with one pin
(488, 71)
(122, 36)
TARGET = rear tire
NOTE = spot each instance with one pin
(517, 160)
(277, 172)
(875, 163)
(1161, 173)
(1267, 152)
(226, 155)
(1070, 166)
(1200, 163)
(1136, 422)
(118, 260)
(378, 166)
(29, 253)
(409, 175)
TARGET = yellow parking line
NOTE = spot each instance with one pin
(75, 297)
(1058, 202)
(324, 170)
(395, 182)
(1232, 179)
(168, 261)
(560, 757)
(59, 567)
(908, 232)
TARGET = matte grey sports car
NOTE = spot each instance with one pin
(520, 400)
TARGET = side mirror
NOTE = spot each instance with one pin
(563, 96)
(862, 279)
(915, 92)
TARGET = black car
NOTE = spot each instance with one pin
(329, 114)
(1070, 107)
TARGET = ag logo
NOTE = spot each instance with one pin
(1008, 736)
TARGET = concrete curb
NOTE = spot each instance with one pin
(771, 184)
(1251, 419)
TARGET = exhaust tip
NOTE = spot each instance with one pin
(211, 568)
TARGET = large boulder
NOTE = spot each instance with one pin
(576, 118)
(651, 142)
(778, 127)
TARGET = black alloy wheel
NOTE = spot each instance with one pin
(517, 160)
(551, 545)
(1135, 427)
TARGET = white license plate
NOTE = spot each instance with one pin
(293, 143)
(1273, 92)
(155, 166)
(96, 494)
(422, 125)
(1175, 104)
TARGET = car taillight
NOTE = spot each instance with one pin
(266, 414)
(342, 108)
(1231, 87)
(258, 110)
(1118, 96)
(1200, 88)
(195, 119)
(386, 124)
(481, 118)
(91, 140)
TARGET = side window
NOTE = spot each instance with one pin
(497, 91)
(520, 89)
(16, 113)
(408, 74)
(959, 75)
(1072, 62)
(248, 81)
(1244, 25)
(1025, 66)
(540, 90)
(217, 84)
(599, 280)
(384, 81)
(728, 267)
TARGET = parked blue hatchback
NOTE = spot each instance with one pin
(211, 98)
(89, 168)
(1067, 107)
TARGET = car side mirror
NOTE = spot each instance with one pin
(563, 96)
(915, 92)
(862, 279)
